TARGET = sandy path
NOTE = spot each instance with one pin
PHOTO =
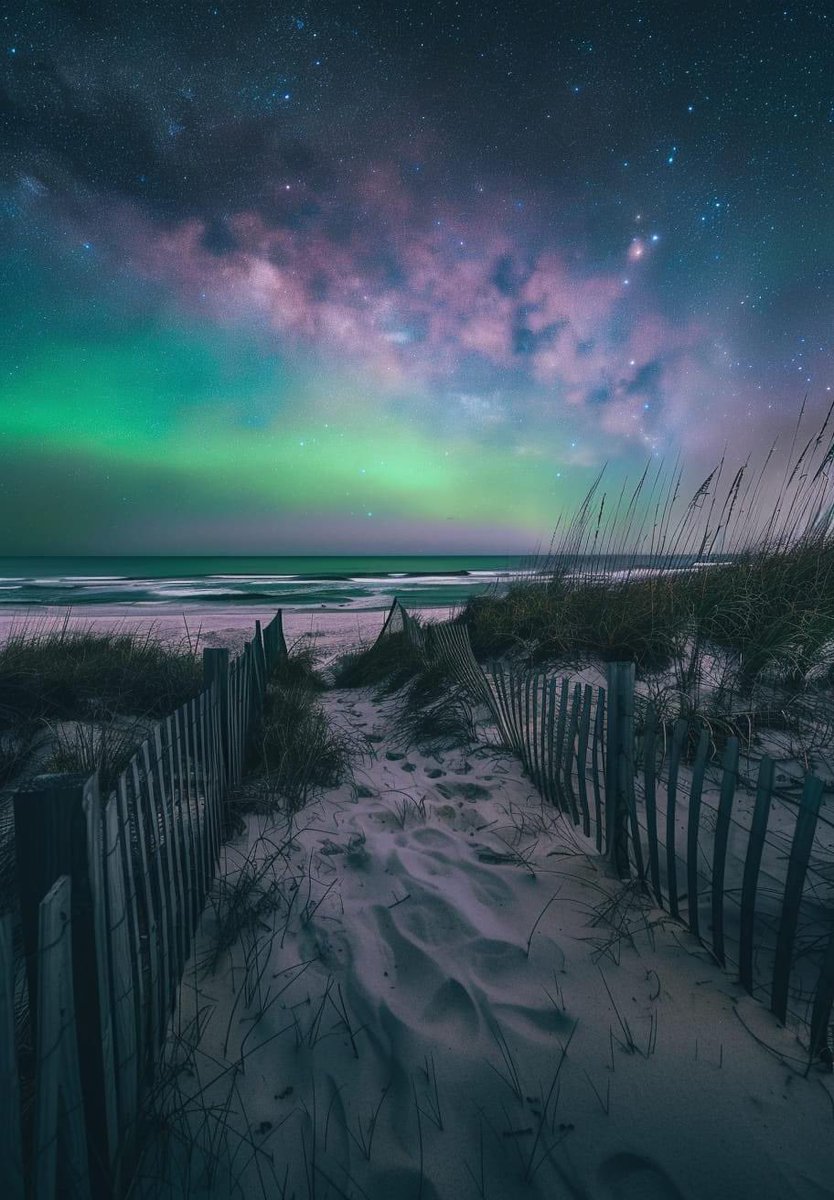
(442, 996)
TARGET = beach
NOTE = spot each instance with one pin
(442, 992)
(332, 631)
(426, 983)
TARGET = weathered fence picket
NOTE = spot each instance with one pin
(693, 828)
(596, 771)
(752, 864)
(60, 1139)
(161, 893)
(561, 718)
(809, 808)
(551, 790)
(650, 798)
(121, 981)
(729, 780)
(679, 736)
(570, 751)
(11, 1150)
(555, 732)
(619, 774)
(129, 883)
(533, 681)
(582, 757)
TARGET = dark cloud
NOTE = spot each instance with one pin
(218, 238)
(529, 341)
(647, 380)
(598, 396)
(508, 275)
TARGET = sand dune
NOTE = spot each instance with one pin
(442, 995)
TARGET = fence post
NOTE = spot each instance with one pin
(11, 1147)
(61, 1149)
(618, 762)
(261, 674)
(58, 832)
(216, 670)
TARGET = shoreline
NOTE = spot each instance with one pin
(230, 625)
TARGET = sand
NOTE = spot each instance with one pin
(441, 993)
(332, 630)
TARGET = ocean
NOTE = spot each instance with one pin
(332, 581)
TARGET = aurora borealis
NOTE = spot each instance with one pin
(398, 277)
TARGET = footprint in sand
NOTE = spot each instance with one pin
(431, 922)
(413, 967)
(487, 887)
(466, 791)
(632, 1177)
(451, 1004)
(432, 839)
(489, 957)
(490, 890)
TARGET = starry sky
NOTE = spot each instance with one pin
(398, 277)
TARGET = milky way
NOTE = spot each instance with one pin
(399, 277)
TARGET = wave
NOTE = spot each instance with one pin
(338, 581)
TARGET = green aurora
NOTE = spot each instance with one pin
(106, 441)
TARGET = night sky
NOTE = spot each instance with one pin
(398, 276)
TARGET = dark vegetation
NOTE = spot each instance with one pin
(106, 746)
(772, 608)
(386, 665)
(50, 675)
(747, 568)
(298, 749)
(433, 713)
(725, 603)
(430, 711)
(298, 669)
(61, 673)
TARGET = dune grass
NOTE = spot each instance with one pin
(432, 711)
(727, 594)
(60, 673)
(298, 748)
(387, 664)
(51, 673)
(297, 668)
(17, 742)
(103, 746)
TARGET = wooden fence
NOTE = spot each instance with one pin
(746, 865)
(110, 897)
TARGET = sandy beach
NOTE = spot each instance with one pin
(440, 992)
(427, 985)
(333, 631)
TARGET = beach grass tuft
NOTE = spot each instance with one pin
(56, 672)
(434, 722)
(299, 749)
(298, 668)
(724, 596)
(103, 745)
(388, 664)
